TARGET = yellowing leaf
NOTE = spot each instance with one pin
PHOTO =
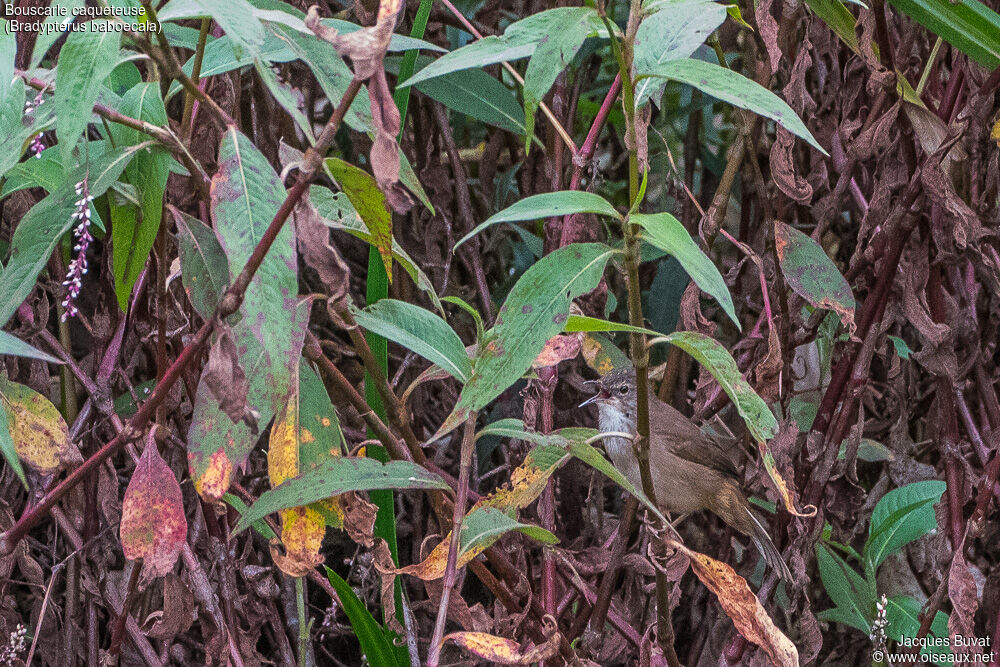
(526, 484)
(153, 525)
(506, 651)
(305, 433)
(742, 606)
(40, 435)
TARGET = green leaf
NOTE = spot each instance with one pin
(577, 323)
(901, 516)
(849, 591)
(668, 234)
(16, 127)
(812, 274)
(554, 53)
(674, 31)
(547, 205)
(717, 360)
(369, 201)
(87, 57)
(573, 441)
(375, 643)
(839, 18)
(734, 88)
(475, 93)
(473, 313)
(418, 330)
(903, 616)
(902, 349)
(15, 347)
(39, 231)
(53, 28)
(45, 171)
(486, 51)
(336, 476)
(204, 270)
(235, 17)
(337, 212)
(868, 450)
(134, 230)
(968, 25)
(246, 195)
(222, 56)
(485, 525)
(241, 507)
(331, 72)
(7, 444)
(536, 309)
(8, 49)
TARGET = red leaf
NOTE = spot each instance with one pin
(153, 525)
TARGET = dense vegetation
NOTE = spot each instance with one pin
(299, 304)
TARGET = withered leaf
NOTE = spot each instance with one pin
(366, 48)
(314, 244)
(226, 380)
(153, 525)
(743, 607)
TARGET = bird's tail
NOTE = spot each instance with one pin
(765, 545)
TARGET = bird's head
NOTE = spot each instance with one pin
(616, 390)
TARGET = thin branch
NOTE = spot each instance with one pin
(451, 567)
(517, 77)
(228, 304)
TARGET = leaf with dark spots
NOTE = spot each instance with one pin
(549, 287)
(812, 274)
(225, 378)
(38, 432)
(526, 308)
(153, 525)
(270, 334)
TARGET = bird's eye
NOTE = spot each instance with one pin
(623, 391)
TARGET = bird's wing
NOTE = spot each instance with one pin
(689, 442)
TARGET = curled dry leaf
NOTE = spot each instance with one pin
(153, 525)
(742, 606)
(226, 380)
(560, 347)
(40, 435)
(366, 48)
(506, 651)
(314, 244)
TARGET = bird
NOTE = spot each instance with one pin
(691, 470)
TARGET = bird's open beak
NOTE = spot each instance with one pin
(602, 395)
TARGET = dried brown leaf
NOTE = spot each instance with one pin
(742, 606)
(225, 378)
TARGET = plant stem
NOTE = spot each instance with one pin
(119, 631)
(199, 54)
(450, 571)
(638, 351)
(228, 304)
(300, 608)
(560, 130)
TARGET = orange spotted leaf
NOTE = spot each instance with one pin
(742, 606)
(153, 525)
